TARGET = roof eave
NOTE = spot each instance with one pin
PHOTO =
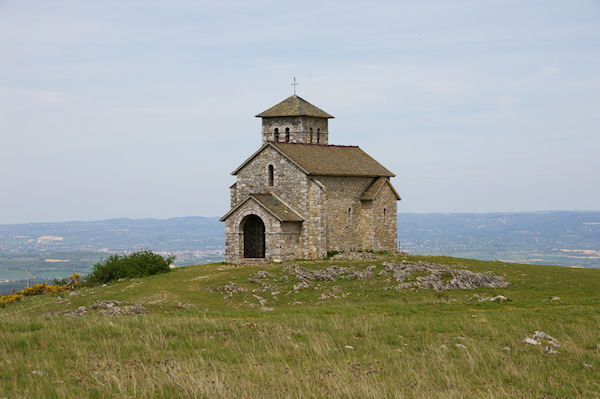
(250, 158)
(349, 175)
(374, 196)
(235, 208)
(291, 208)
(253, 197)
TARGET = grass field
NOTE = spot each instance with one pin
(345, 338)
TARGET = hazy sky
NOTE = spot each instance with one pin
(143, 108)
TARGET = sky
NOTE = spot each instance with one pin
(143, 108)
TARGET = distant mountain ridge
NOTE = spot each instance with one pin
(47, 250)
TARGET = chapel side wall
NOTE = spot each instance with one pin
(345, 233)
(289, 182)
(366, 225)
(385, 228)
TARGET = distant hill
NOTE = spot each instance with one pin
(40, 251)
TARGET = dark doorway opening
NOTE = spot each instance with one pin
(254, 237)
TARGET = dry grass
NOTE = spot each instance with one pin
(403, 344)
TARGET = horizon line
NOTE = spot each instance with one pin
(218, 217)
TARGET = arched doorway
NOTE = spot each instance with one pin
(254, 237)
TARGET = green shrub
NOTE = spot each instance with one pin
(137, 264)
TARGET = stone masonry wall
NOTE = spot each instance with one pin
(289, 241)
(385, 227)
(366, 225)
(345, 230)
(289, 182)
(233, 195)
(314, 237)
(299, 129)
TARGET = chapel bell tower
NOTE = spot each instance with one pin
(295, 120)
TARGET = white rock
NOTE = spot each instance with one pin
(461, 346)
(499, 298)
(531, 341)
(260, 299)
(555, 298)
(550, 350)
(506, 349)
(542, 335)
(348, 347)
(301, 285)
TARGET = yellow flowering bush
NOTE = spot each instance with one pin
(76, 280)
(10, 298)
(42, 288)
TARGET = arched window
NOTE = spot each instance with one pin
(311, 135)
(276, 134)
(318, 135)
(287, 134)
(271, 174)
(349, 216)
(383, 220)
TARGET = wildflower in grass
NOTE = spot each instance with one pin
(76, 280)
(10, 298)
(42, 288)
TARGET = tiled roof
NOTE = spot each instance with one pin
(272, 204)
(332, 160)
(375, 187)
(294, 106)
(277, 207)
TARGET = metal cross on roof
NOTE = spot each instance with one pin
(294, 84)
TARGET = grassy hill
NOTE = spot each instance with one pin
(223, 331)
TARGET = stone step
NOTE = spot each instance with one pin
(251, 261)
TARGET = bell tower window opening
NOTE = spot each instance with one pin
(318, 135)
(276, 134)
(271, 175)
(287, 134)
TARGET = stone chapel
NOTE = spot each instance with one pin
(299, 196)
